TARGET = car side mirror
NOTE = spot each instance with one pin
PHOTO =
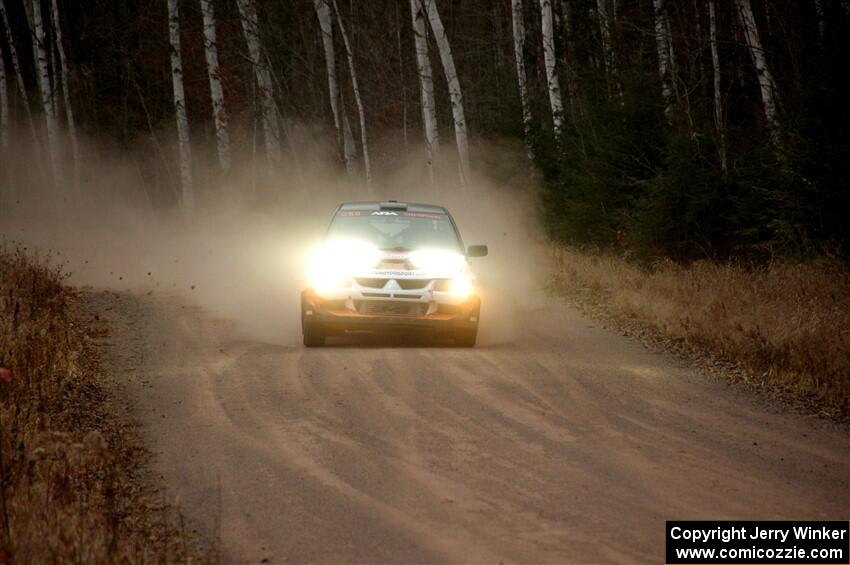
(476, 251)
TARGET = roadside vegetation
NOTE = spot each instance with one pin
(784, 323)
(707, 200)
(70, 486)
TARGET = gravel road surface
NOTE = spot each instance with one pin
(568, 444)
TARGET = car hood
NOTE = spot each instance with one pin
(396, 264)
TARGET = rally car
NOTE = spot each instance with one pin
(391, 267)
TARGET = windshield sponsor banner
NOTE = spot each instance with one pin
(425, 216)
(421, 215)
(754, 542)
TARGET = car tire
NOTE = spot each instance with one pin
(466, 337)
(313, 336)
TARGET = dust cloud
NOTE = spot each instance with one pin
(242, 255)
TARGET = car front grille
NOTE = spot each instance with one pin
(377, 294)
(391, 308)
(413, 284)
(372, 283)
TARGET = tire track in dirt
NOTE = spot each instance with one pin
(569, 444)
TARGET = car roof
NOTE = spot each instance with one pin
(394, 205)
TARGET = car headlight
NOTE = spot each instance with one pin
(449, 266)
(334, 263)
(459, 286)
(324, 280)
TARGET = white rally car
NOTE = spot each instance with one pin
(391, 267)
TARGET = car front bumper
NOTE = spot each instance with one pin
(430, 312)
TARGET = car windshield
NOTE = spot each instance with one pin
(396, 230)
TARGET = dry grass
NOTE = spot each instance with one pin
(787, 323)
(68, 485)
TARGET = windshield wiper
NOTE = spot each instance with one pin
(398, 248)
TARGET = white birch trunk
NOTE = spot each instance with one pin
(222, 135)
(184, 143)
(698, 22)
(662, 46)
(718, 95)
(674, 68)
(569, 44)
(7, 197)
(519, 52)
(367, 165)
(402, 82)
(604, 31)
(22, 90)
(344, 139)
(66, 92)
(51, 66)
(323, 14)
(821, 22)
(455, 93)
(4, 104)
(765, 79)
(271, 125)
(45, 89)
(348, 146)
(550, 63)
(567, 15)
(426, 83)
(607, 47)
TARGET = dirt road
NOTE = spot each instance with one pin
(568, 445)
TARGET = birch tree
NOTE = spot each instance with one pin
(765, 79)
(52, 72)
(19, 78)
(607, 47)
(364, 142)
(4, 105)
(718, 96)
(426, 83)
(662, 46)
(184, 143)
(262, 75)
(549, 61)
(39, 39)
(401, 78)
(7, 197)
(455, 93)
(66, 92)
(519, 51)
(674, 68)
(345, 141)
(222, 136)
(567, 15)
(348, 144)
(821, 20)
(569, 44)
